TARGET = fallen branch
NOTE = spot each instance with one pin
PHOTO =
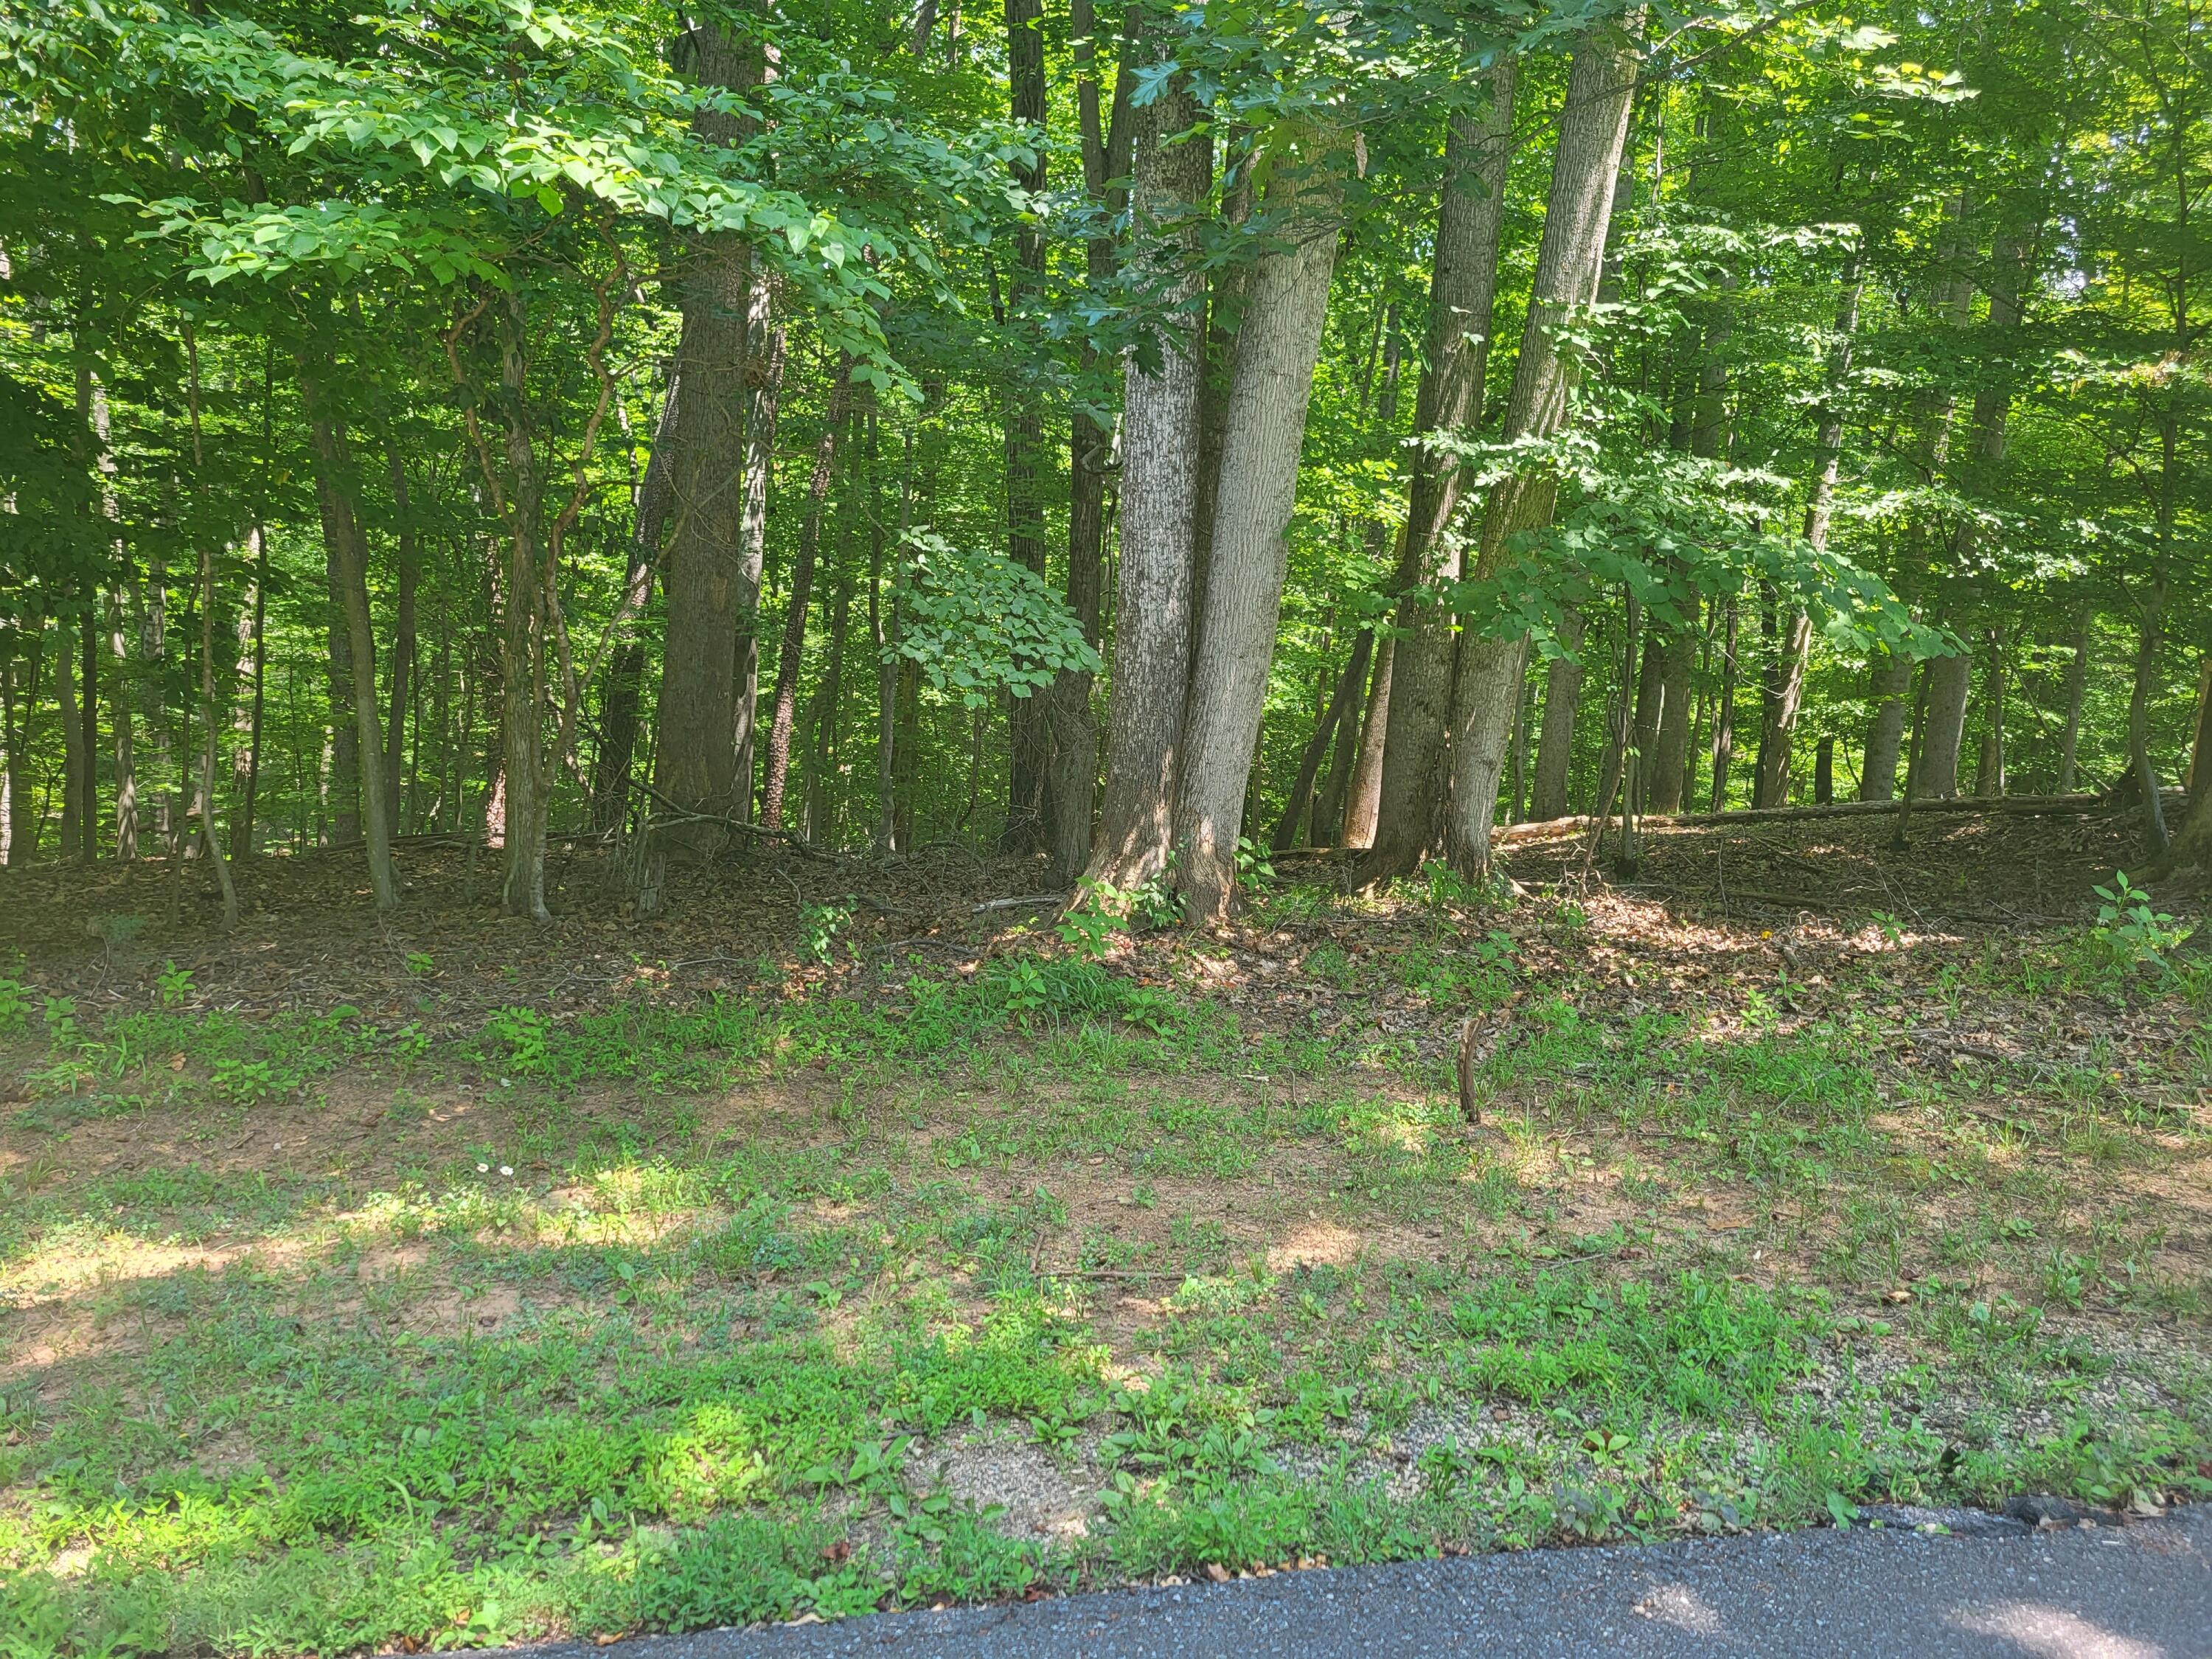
(798, 843)
(1024, 901)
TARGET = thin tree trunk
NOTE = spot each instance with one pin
(2150, 639)
(1900, 836)
(347, 547)
(1028, 719)
(624, 682)
(2077, 686)
(20, 726)
(76, 759)
(1592, 128)
(1262, 433)
(825, 793)
(1990, 763)
(1785, 686)
(121, 699)
(1724, 710)
(208, 830)
(1160, 449)
(1362, 798)
(1326, 827)
(1555, 736)
(785, 706)
(206, 804)
(242, 837)
(408, 567)
(765, 373)
(1331, 718)
(1071, 788)
(1462, 298)
(2196, 777)
(524, 648)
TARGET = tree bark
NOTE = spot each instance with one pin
(1462, 302)
(120, 701)
(1950, 686)
(242, 837)
(76, 756)
(409, 568)
(1785, 684)
(623, 688)
(1724, 708)
(1028, 724)
(1569, 260)
(785, 706)
(1990, 763)
(1555, 735)
(2077, 686)
(1262, 433)
(711, 573)
(346, 545)
(1157, 521)
(1362, 798)
(1071, 784)
(524, 648)
(1889, 692)
(1340, 703)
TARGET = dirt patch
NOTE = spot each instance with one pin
(1042, 1497)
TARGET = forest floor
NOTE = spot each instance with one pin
(838, 1241)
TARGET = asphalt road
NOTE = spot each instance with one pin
(2140, 1591)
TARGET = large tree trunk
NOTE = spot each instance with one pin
(1889, 693)
(1950, 687)
(1592, 128)
(785, 706)
(1262, 433)
(1463, 297)
(711, 573)
(1555, 734)
(1158, 519)
(345, 544)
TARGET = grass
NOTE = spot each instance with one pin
(329, 1332)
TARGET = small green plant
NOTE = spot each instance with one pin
(1086, 925)
(61, 1025)
(421, 964)
(1255, 869)
(2128, 933)
(15, 1004)
(819, 926)
(174, 985)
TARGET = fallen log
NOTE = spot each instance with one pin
(2023, 806)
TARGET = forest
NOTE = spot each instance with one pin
(1139, 439)
(814, 809)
